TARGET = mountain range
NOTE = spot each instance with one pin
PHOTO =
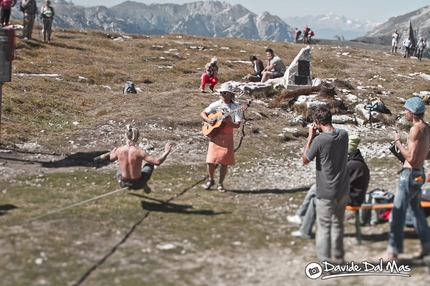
(220, 19)
(209, 19)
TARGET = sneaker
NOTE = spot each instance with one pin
(146, 189)
(294, 219)
(212, 89)
(297, 233)
(202, 90)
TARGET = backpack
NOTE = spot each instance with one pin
(376, 196)
(377, 104)
(312, 33)
(129, 87)
(299, 33)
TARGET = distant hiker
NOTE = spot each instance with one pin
(407, 45)
(258, 68)
(29, 8)
(394, 42)
(297, 33)
(310, 35)
(221, 145)
(306, 31)
(131, 173)
(47, 15)
(5, 6)
(210, 75)
(421, 45)
(275, 66)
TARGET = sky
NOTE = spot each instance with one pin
(376, 11)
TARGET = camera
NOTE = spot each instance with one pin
(313, 271)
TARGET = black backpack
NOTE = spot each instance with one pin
(376, 196)
(129, 87)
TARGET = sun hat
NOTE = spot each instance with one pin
(226, 87)
(214, 60)
(354, 140)
(415, 105)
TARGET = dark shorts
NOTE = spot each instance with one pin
(136, 184)
(277, 74)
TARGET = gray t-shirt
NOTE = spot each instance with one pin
(331, 152)
(278, 64)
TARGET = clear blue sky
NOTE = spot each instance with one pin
(378, 11)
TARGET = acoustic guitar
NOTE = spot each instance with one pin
(219, 117)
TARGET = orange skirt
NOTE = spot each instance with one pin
(221, 147)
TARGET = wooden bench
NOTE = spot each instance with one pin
(356, 209)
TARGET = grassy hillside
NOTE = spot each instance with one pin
(65, 106)
(91, 69)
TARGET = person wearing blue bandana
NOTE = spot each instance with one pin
(412, 177)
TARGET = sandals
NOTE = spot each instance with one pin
(208, 184)
(420, 255)
(221, 188)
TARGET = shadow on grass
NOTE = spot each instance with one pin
(269, 191)
(5, 208)
(72, 160)
(370, 237)
(78, 159)
(408, 233)
(167, 207)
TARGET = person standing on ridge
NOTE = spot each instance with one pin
(47, 15)
(29, 8)
(394, 42)
(421, 45)
(5, 6)
(407, 45)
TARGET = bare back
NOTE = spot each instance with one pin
(130, 160)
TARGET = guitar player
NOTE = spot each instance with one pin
(221, 145)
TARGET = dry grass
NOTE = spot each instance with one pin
(236, 238)
(168, 64)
